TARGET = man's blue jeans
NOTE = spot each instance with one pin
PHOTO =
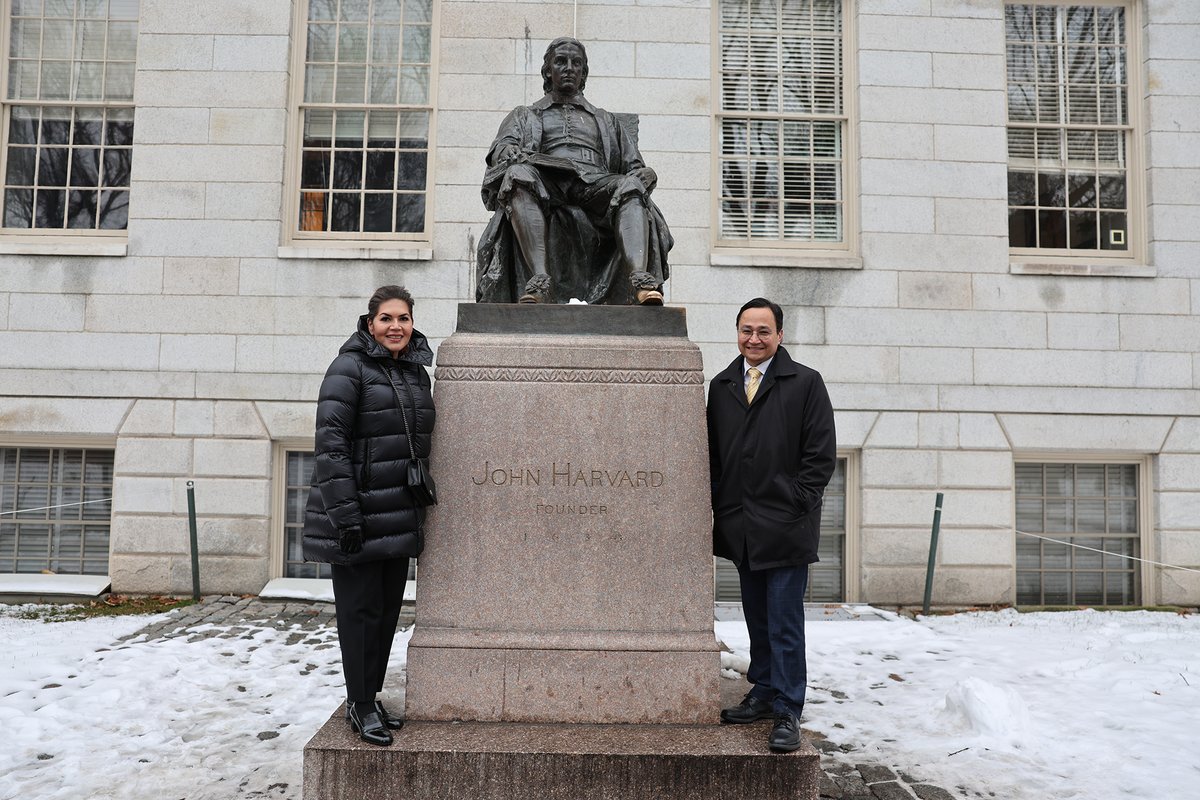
(773, 602)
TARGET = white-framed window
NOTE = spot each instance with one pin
(361, 161)
(1070, 507)
(781, 129)
(1073, 188)
(827, 578)
(55, 509)
(67, 124)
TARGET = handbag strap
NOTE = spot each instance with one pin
(412, 450)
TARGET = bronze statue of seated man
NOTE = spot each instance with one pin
(573, 215)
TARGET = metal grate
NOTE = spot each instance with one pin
(55, 510)
(1094, 505)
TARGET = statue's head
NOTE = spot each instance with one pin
(561, 41)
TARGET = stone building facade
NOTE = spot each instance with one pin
(980, 217)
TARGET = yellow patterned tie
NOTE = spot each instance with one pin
(752, 385)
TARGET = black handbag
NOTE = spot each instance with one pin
(420, 481)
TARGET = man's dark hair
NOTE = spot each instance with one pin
(762, 302)
(547, 85)
(385, 293)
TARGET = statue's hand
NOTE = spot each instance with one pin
(508, 152)
(647, 176)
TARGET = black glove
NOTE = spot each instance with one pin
(350, 540)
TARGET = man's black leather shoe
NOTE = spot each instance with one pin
(370, 728)
(751, 709)
(392, 722)
(785, 735)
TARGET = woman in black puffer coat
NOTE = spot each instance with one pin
(374, 413)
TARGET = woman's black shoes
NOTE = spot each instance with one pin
(393, 722)
(370, 727)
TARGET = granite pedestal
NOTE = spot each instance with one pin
(566, 586)
(567, 572)
(524, 761)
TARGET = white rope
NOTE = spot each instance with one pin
(47, 508)
(1105, 552)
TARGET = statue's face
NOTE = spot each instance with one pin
(566, 69)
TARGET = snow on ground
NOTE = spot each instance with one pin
(216, 718)
(1063, 706)
(1028, 706)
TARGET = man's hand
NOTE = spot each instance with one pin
(509, 152)
(647, 176)
(350, 540)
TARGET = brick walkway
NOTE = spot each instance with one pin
(226, 617)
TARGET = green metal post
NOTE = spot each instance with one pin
(191, 492)
(933, 541)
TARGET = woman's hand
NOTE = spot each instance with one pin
(350, 540)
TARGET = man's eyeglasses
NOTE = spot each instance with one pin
(750, 333)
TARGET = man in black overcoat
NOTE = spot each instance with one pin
(773, 450)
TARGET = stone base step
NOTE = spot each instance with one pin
(520, 761)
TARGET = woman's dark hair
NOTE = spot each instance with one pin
(762, 302)
(546, 84)
(385, 293)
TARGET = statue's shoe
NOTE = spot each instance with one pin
(537, 289)
(649, 297)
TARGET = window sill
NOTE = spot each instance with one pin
(783, 258)
(1120, 270)
(117, 248)
(416, 252)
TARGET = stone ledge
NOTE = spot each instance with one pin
(577, 320)
(515, 761)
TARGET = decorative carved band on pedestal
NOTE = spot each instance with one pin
(551, 375)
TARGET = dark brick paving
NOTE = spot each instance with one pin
(227, 617)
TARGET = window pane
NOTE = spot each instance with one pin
(381, 170)
(85, 167)
(122, 41)
(20, 168)
(377, 213)
(116, 166)
(81, 209)
(410, 213)
(23, 125)
(18, 208)
(345, 211)
(322, 43)
(114, 210)
(347, 169)
(118, 127)
(410, 173)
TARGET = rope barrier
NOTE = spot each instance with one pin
(1104, 552)
(47, 508)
